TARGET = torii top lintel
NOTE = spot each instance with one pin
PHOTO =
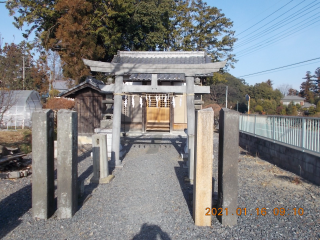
(151, 64)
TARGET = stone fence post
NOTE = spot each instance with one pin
(202, 186)
(228, 165)
(67, 163)
(42, 164)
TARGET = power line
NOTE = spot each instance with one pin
(248, 53)
(259, 14)
(274, 41)
(276, 36)
(279, 36)
(261, 28)
(265, 18)
(278, 25)
(280, 67)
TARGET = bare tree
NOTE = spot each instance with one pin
(284, 89)
(54, 63)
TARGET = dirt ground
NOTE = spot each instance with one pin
(16, 138)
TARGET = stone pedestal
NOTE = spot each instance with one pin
(108, 132)
(67, 163)
(107, 121)
(107, 124)
(42, 164)
(202, 186)
(100, 159)
(228, 165)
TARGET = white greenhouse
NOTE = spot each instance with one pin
(24, 103)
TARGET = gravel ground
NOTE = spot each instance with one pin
(148, 199)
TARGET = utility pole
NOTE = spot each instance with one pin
(23, 72)
(227, 97)
(248, 100)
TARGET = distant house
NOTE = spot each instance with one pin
(296, 100)
(62, 85)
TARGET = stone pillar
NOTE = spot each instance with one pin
(116, 127)
(202, 187)
(100, 159)
(96, 157)
(190, 124)
(42, 164)
(67, 163)
(228, 165)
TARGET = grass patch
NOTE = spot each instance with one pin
(21, 138)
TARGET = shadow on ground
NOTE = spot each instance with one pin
(186, 187)
(88, 189)
(151, 232)
(156, 140)
(12, 208)
(85, 151)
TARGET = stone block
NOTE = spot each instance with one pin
(100, 158)
(281, 149)
(228, 165)
(294, 161)
(42, 164)
(202, 185)
(311, 159)
(67, 163)
(267, 144)
(310, 168)
(317, 172)
(13, 175)
(106, 124)
(272, 153)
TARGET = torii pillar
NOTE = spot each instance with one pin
(116, 127)
(190, 125)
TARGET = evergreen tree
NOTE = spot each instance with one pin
(307, 88)
(97, 29)
(269, 82)
(317, 80)
(199, 27)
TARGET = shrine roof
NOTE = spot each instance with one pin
(162, 57)
(89, 82)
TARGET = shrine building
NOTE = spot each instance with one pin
(152, 91)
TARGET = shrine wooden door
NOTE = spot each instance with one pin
(158, 112)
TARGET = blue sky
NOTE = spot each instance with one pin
(300, 46)
(283, 49)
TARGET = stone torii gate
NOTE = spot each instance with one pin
(190, 71)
